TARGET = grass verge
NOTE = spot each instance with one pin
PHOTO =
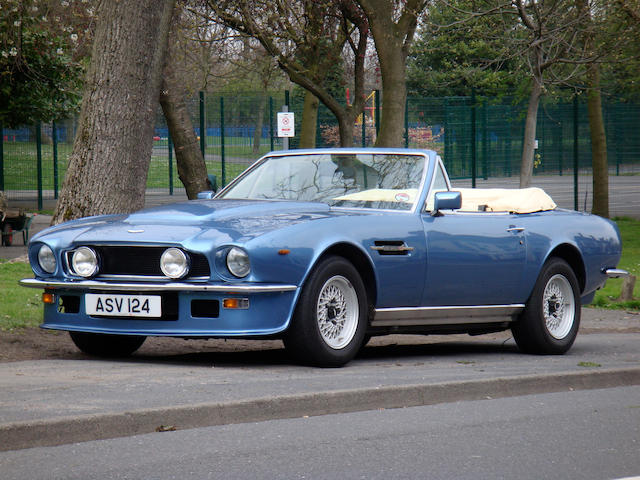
(19, 306)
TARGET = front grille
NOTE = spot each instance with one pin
(142, 261)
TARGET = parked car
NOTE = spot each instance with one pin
(325, 248)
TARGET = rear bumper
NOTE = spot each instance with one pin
(615, 273)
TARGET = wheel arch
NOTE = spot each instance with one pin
(570, 254)
(361, 263)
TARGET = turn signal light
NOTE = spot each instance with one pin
(48, 298)
(235, 303)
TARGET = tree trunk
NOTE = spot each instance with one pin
(598, 144)
(528, 144)
(111, 153)
(309, 121)
(346, 124)
(626, 293)
(192, 169)
(393, 25)
(257, 134)
(394, 97)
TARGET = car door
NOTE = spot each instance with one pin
(473, 258)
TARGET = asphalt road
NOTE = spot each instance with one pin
(63, 401)
(571, 435)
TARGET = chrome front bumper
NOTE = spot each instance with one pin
(157, 287)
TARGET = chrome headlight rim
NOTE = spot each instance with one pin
(175, 263)
(46, 259)
(85, 262)
(238, 263)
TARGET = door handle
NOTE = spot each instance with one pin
(515, 229)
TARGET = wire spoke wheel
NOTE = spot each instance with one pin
(337, 312)
(330, 320)
(558, 306)
(549, 323)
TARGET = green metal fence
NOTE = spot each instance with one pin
(478, 138)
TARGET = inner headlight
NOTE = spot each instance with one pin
(174, 263)
(84, 262)
(238, 262)
(47, 259)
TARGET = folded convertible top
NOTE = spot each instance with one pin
(524, 200)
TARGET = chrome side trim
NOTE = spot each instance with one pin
(157, 287)
(615, 273)
(389, 317)
(391, 248)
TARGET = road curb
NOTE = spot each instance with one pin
(82, 428)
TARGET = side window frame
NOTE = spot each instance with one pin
(439, 168)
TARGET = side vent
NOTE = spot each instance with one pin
(391, 247)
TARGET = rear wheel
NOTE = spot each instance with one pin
(105, 345)
(549, 323)
(330, 320)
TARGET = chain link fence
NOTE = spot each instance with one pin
(479, 139)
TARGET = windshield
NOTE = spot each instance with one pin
(382, 181)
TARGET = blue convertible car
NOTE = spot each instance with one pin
(325, 248)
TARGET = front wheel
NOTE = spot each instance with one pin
(330, 320)
(549, 323)
(105, 345)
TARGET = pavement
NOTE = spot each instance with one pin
(53, 402)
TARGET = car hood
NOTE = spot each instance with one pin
(216, 221)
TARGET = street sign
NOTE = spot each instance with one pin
(286, 124)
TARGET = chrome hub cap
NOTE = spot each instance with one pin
(337, 312)
(558, 306)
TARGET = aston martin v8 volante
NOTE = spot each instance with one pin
(324, 249)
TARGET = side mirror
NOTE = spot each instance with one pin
(446, 201)
(209, 194)
(206, 195)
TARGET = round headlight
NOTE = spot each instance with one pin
(47, 259)
(174, 263)
(238, 262)
(84, 262)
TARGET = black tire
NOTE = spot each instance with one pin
(7, 235)
(550, 321)
(108, 346)
(330, 319)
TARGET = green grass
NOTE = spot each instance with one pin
(589, 364)
(19, 306)
(22, 307)
(20, 164)
(630, 261)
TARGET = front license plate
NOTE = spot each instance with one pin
(123, 305)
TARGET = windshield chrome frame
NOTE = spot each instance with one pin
(438, 164)
(417, 204)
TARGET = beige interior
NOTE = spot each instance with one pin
(525, 200)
